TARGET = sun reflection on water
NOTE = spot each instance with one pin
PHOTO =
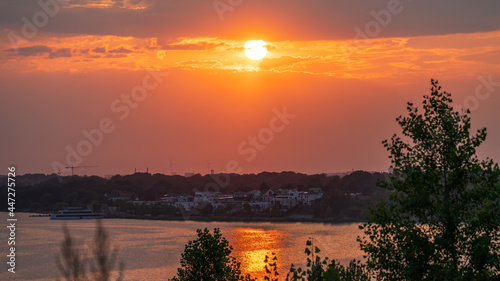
(151, 250)
(251, 245)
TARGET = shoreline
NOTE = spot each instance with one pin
(332, 221)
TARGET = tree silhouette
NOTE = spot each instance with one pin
(208, 258)
(442, 219)
(73, 262)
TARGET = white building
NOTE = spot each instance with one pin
(211, 197)
(260, 206)
(185, 201)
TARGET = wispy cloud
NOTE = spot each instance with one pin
(489, 57)
(106, 4)
(280, 62)
(198, 64)
(381, 57)
(31, 50)
(195, 44)
(60, 53)
(120, 50)
(99, 50)
(279, 20)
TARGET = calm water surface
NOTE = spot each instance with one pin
(151, 250)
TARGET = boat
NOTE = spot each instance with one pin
(40, 215)
(76, 214)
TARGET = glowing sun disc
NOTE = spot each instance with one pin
(255, 49)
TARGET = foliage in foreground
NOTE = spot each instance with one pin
(73, 262)
(209, 258)
(322, 270)
(442, 219)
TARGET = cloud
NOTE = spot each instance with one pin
(271, 20)
(115, 56)
(120, 50)
(195, 64)
(491, 57)
(107, 4)
(283, 61)
(118, 4)
(382, 57)
(60, 53)
(32, 50)
(100, 50)
(38, 50)
(193, 46)
(113, 52)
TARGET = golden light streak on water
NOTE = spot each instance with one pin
(251, 245)
(151, 250)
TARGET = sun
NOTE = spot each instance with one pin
(255, 49)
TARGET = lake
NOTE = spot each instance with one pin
(151, 250)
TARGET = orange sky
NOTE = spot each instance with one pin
(89, 67)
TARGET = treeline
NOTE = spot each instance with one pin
(344, 198)
(348, 198)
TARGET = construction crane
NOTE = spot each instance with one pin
(208, 166)
(74, 167)
(171, 167)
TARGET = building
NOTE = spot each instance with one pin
(121, 195)
(259, 201)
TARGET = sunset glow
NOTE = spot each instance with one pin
(344, 70)
(213, 135)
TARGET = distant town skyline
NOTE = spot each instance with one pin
(170, 86)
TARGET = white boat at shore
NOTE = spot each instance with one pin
(76, 214)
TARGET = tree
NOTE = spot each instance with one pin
(104, 256)
(275, 210)
(323, 270)
(271, 267)
(205, 209)
(247, 209)
(73, 261)
(60, 206)
(35, 207)
(47, 200)
(442, 219)
(264, 187)
(208, 258)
